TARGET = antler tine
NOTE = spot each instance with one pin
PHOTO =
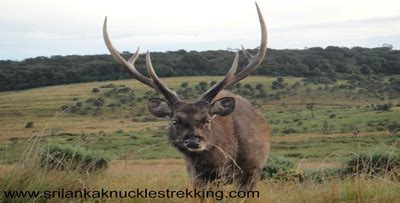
(246, 54)
(134, 57)
(256, 60)
(170, 95)
(129, 65)
(213, 91)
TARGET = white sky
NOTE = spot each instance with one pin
(30, 28)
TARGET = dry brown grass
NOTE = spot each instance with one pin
(170, 174)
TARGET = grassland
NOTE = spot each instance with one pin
(316, 126)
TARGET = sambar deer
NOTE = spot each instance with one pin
(223, 138)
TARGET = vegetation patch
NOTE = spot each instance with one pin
(68, 157)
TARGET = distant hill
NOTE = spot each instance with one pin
(319, 64)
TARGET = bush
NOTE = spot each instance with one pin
(203, 86)
(259, 86)
(95, 90)
(184, 84)
(289, 131)
(319, 80)
(99, 102)
(382, 107)
(29, 124)
(374, 164)
(275, 165)
(394, 128)
(278, 84)
(62, 157)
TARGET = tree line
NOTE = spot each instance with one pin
(320, 64)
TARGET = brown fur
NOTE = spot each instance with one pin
(243, 139)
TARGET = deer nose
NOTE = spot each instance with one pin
(192, 143)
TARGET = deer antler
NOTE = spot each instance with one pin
(153, 82)
(254, 62)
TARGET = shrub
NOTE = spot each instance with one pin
(319, 80)
(62, 157)
(95, 90)
(278, 84)
(394, 128)
(120, 131)
(29, 124)
(184, 84)
(289, 131)
(374, 164)
(382, 107)
(79, 104)
(248, 86)
(203, 86)
(259, 86)
(99, 102)
(275, 165)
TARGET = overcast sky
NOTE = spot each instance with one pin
(31, 28)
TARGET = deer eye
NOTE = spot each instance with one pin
(174, 122)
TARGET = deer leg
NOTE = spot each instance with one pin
(249, 180)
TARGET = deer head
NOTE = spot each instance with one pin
(191, 122)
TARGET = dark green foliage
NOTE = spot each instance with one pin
(374, 163)
(276, 164)
(203, 86)
(289, 130)
(259, 86)
(29, 124)
(394, 128)
(318, 65)
(68, 157)
(319, 80)
(184, 84)
(279, 84)
(99, 102)
(395, 84)
(95, 90)
(382, 107)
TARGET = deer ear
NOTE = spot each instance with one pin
(158, 107)
(223, 106)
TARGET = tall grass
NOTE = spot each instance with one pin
(29, 174)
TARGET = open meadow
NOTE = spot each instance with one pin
(319, 132)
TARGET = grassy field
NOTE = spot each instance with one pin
(317, 127)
